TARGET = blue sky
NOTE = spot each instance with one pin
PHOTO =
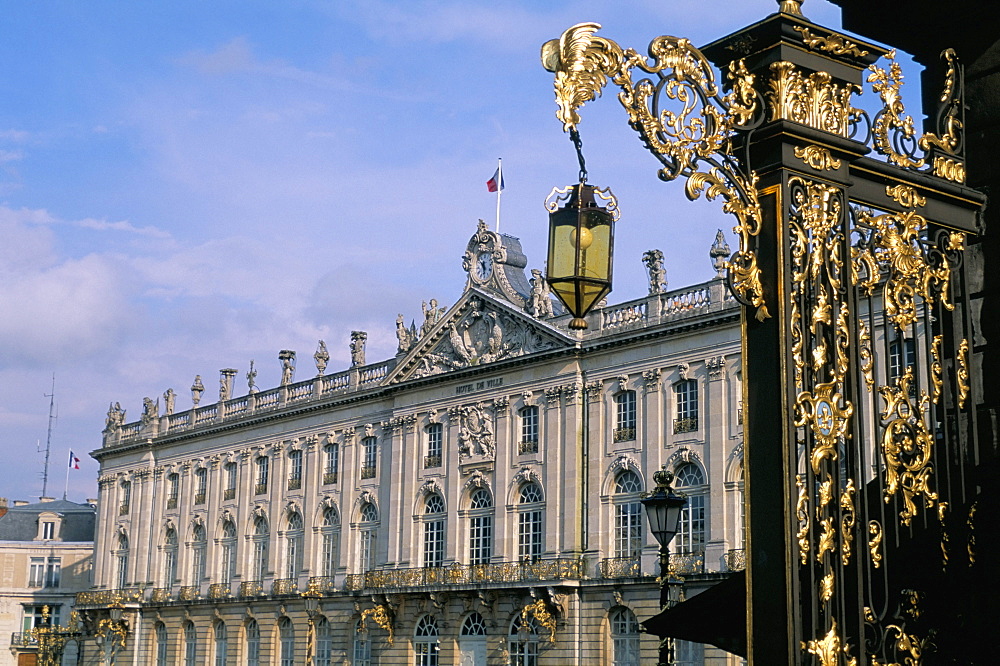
(185, 186)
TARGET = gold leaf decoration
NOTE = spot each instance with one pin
(817, 157)
(832, 43)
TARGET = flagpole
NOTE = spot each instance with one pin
(69, 466)
(499, 189)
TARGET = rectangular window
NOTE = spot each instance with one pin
(625, 416)
(331, 462)
(690, 537)
(48, 530)
(34, 616)
(367, 554)
(480, 539)
(230, 490)
(433, 543)
(198, 565)
(529, 430)
(370, 451)
(228, 563)
(259, 559)
(329, 554)
(262, 470)
(126, 498)
(686, 395)
(628, 529)
(53, 571)
(902, 355)
(36, 572)
(173, 485)
(294, 470)
(529, 535)
(435, 438)
(201, 485)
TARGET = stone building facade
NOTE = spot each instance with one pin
(46, 553)
(473, 500)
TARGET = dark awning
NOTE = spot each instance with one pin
(717, 616)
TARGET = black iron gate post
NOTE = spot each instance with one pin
(860, 440)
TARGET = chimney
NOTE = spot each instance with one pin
(46, 499)
(3, 506)
(21, 502)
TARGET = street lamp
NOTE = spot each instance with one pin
(663, 510)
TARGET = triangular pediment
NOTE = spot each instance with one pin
(478, 330)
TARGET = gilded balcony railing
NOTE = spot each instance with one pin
(294, 483)
(188, 593)
(160, 595)
(251, 588)
(368, 472)
(199, 498)
(123, 509)
(432, 461)
(322, 584)
(621, 567)
(260, 489)
(229, 493)
(219, 591)
(624, 434)
(687, 563)
(527, 446)
(284, 586)
(330, 477)
(171, 502)
(107, 597)
(686, 425)
(567, 568)
(736, 559)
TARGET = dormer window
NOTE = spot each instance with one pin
(48, 530)
(48, 526)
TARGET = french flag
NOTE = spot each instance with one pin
(495, 184)
(74, 462)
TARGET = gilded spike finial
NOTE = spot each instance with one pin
(793, 7)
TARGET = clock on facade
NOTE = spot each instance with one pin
(484, 266)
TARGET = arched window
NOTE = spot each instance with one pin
(686, 397)
(690, 539)
(261, 533)
(121, 561)
(199, 545)
(362, 645)
(425, 642)
(324, 644)
(330, 532)
(434, 531)
(367, 533)
(624, 637)
(228, 544)
(529, 430)
(286, 636)
(523, 642)
(529, 522)
(369, 448)
(293, 545)
(169, 557)
(253, 643)
(472, 641)
(628, 514)
(480, 527)
(221, 643)
(435, 438)
(625, 416)
(161, 644)
(190, 644)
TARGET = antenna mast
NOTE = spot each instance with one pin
(48, 437)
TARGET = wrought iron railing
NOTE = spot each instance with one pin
(621, 567)
(368, 472)
(260, 489)
(251, 588)
(123, 509)
(330, 477)
(105, 597)
(322, 584)
(527, 446)
(687, 563)
(284, 586)
(189, 593)
(624, 434)
(20, 639)
(160, 595)
(171, 502)
(219, 591)
(465, 574)
(736, 559)
(199, 498)
(689, 424)
(229, 493)
(432, 461)
(294, 483)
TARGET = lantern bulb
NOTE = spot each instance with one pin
(585, 238)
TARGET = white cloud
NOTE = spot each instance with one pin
(122, 225)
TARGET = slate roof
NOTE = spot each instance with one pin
(20, 523)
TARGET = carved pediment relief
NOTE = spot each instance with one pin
(477, 331)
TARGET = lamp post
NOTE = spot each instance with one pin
(311, 600)
(663, 510)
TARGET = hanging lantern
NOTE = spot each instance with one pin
(581, 239)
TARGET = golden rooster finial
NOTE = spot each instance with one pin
(582, 64)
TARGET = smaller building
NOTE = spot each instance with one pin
(46, 557)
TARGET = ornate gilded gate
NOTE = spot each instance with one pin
(861, 433)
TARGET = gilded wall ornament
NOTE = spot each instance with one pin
(905, 195)
(828, 649)
(540, 611)
(817, 157)
(381, 616)
(810, 99)
(832, 43)
(962, 373)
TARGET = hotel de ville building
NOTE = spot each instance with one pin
(473, 500)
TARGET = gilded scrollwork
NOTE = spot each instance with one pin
(381, 616)
(817, 158)
(539, 609)
(847, 521)
(905, 195)
(971, 523)
(875, 542)
(832, 43)
(865, 354)
(826, 587)
(950, 123)
(907, 446)
(812, 100)
(937, 373)
(892, 132)
(698, 131)
(949, 169)
(962, 373)
(802, 515)
(828, 416)
(829, 648)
